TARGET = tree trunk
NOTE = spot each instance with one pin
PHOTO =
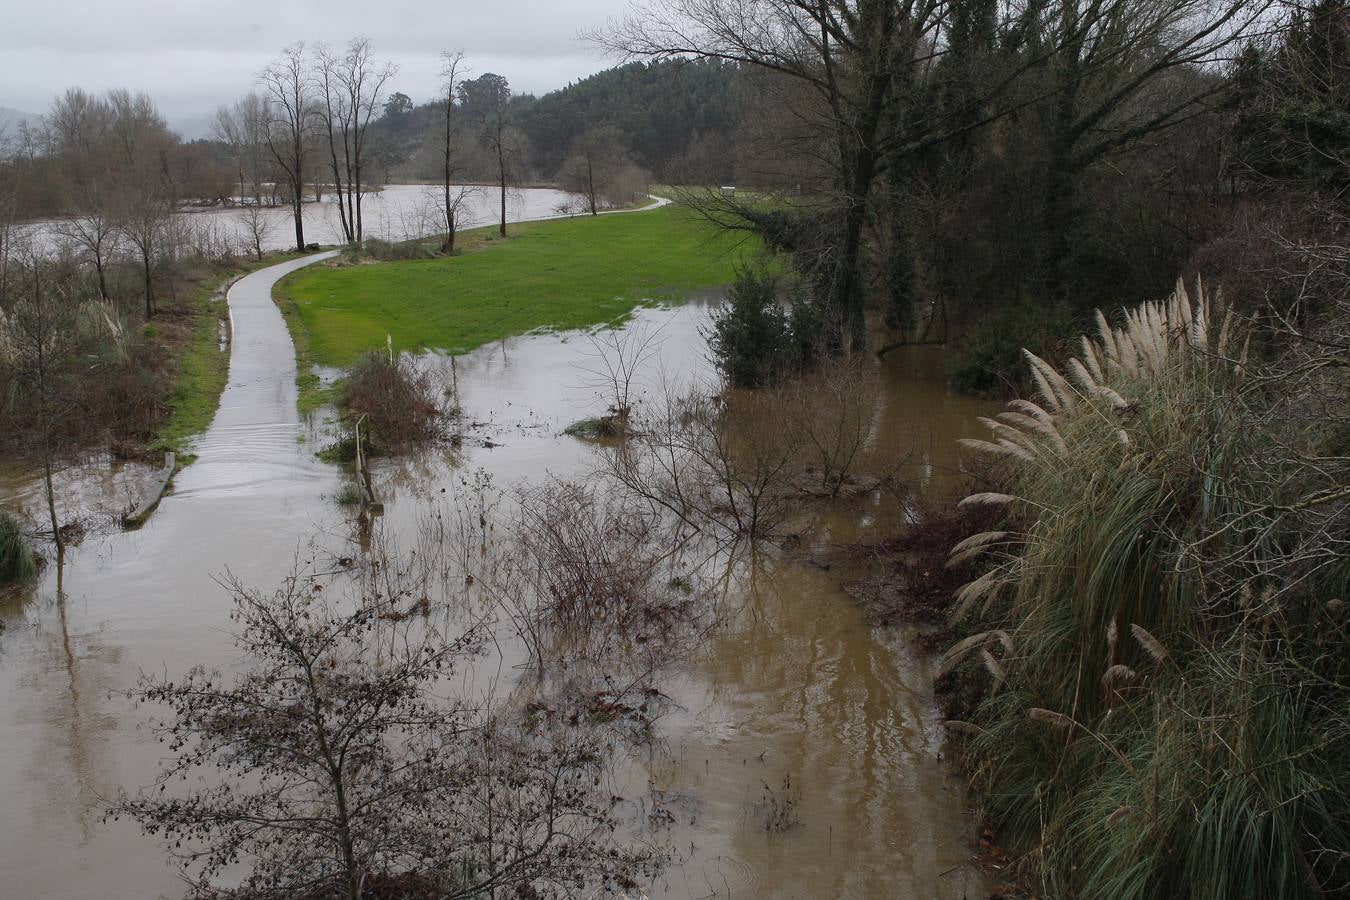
(149, 283)
(446, 151)
(360, 227)
(590, 185)
(51, 503)
(298, 198)
(343, 218)
(102, 277)
(449, 245)
(845, 298)
(1058, 203)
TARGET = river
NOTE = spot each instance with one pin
(793, 684)
(398, 212)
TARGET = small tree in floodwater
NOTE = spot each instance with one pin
(337, 767)
(46, 335)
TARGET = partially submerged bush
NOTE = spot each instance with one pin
(598, 427)
(751, 338)
(1169, 707)
(16, 557)
(396, 403)
(987, 361)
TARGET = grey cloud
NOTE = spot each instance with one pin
(192, 56)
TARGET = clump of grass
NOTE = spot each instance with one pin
(1168, 701)
(598, 428)
(17, 564)
(780, 809)
(348, 495)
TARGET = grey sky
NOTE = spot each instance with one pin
(192, 56)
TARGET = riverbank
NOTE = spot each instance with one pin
(554, 275)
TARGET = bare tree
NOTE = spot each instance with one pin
(77, 134)
(711, 461)
(350, 85)
(487, 98)
(286, 88)
(1118, 72)
(613, 365)
(243, 126)
(342, 768)
(257, 225)
(834, 410)
(851, 55)
(142, 142)
(453, 197)
(97, 234)
(9, 199)
(595, 166)
(38, 342)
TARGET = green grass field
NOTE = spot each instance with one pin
(554, 275)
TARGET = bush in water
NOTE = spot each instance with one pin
(396, 401)
(751, 336)
(340, 763)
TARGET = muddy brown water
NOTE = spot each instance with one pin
(793, 700)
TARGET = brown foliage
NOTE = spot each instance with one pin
(396, 402)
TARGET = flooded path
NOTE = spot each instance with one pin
(146, 601)
(794, 690)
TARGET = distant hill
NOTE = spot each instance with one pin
(662, 108)
(671, 115)
(10, 118)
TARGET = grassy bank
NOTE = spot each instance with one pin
(203, 368)
(558, 274)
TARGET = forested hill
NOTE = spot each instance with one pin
(664, 110)
(671, 114)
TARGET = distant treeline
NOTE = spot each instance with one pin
(675, 119)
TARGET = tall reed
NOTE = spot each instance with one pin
(16, 558)
(1169, 704)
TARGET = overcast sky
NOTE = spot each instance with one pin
(191, 55)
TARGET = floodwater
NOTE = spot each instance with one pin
(792, 696)
(398, 212)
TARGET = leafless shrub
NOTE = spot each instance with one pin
(703, 458)
(834, 409)
(778, 809)
(611, 369)
(256, 225)
(335, 764)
